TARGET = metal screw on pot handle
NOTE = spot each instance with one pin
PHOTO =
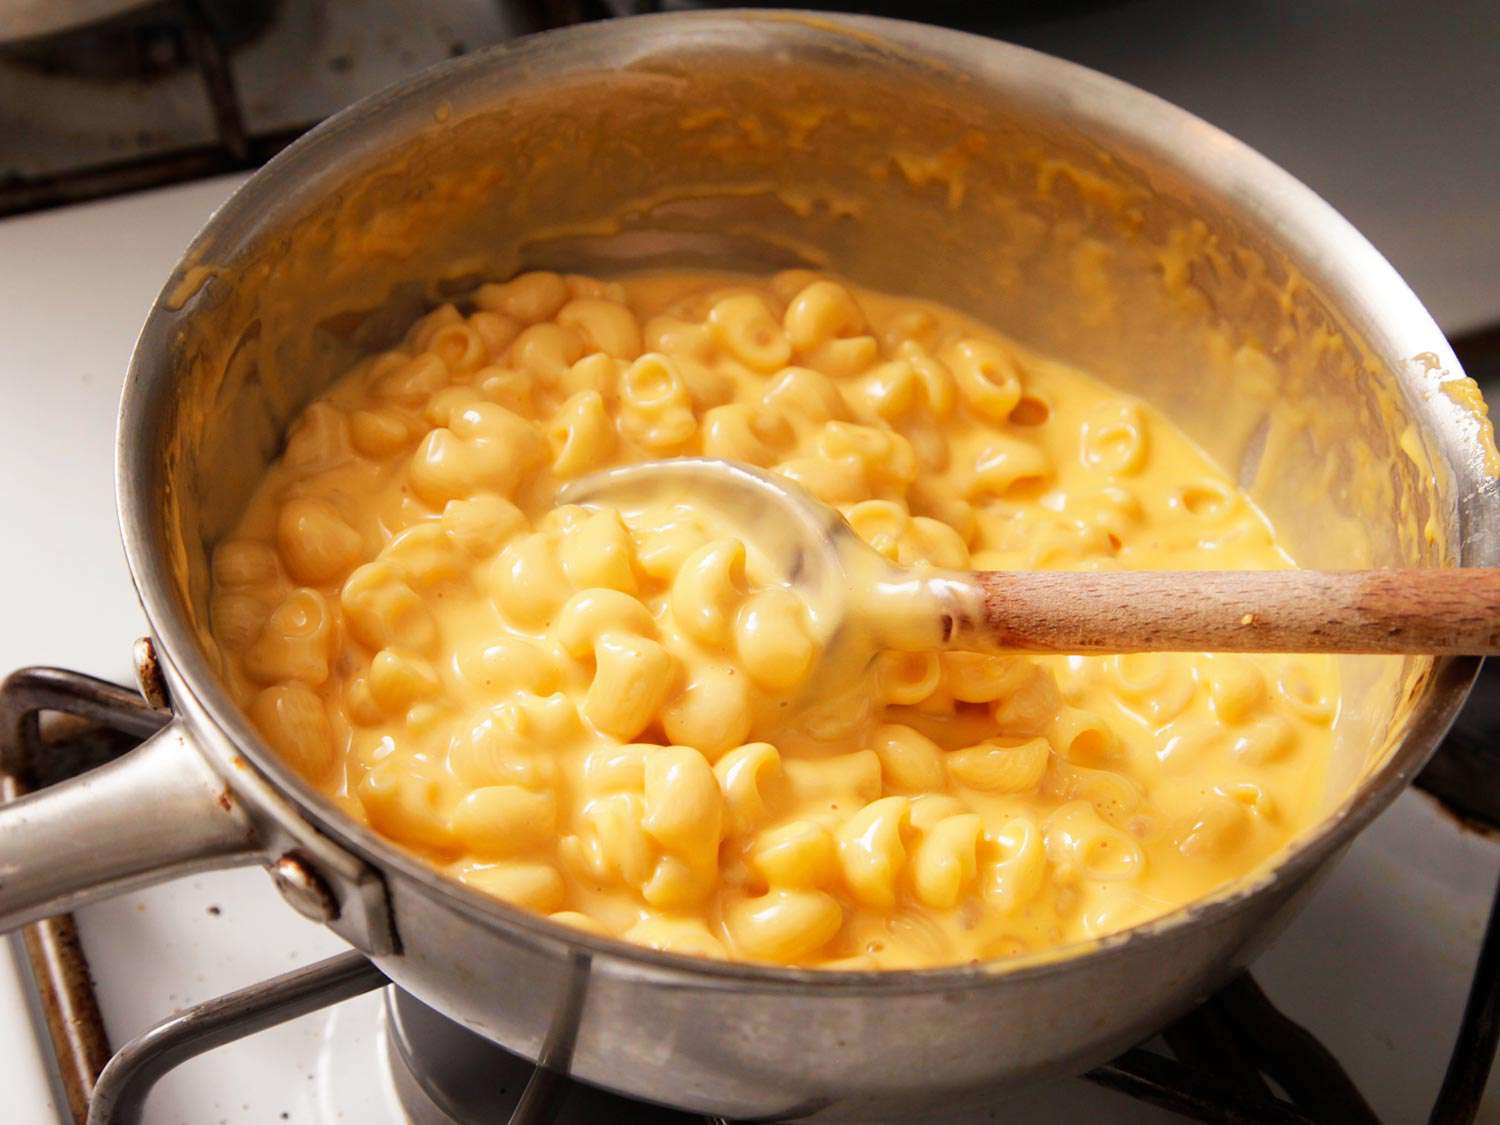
(156, 812)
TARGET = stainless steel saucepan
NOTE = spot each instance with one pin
(1086, 218)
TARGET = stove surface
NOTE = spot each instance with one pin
(1376, 966)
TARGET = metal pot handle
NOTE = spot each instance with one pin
(156, 812)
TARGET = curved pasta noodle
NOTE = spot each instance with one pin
(655, 407)
(318, 442)
(493, 751)
(495, 330)
(677, 935)
(910, 762)
(633, 676)
(738, 431)
(1029, 702)
(798, 854)
(484, 447)
(663, 548)
(604, 326)
(397, 680)
(708, 589)
(747, 775)
(295, 723)
(481, 524)
(872, 852)
(1077, 837)
(1112, 795)
(295, 643)
(1236, 687)
(405, 799)
(974, 677)
(504, 820)
(598, 551)
(527, 580)
(712, 713)
(800, 392)
(909, 677)
(987, 377)
(545, 351)
(507, 663)
(998, 768)
(589, 614)
(243, 564)
(460, 346)
(744, 327)
(1082, 736)
(1156, 685)
(843, 781)
(826, 328)
(783, 925)
(1216, 828)
(1267, 739)
(883, 457)
(1018, 866)
(1298, 691)
(315, 542)
(536, 886)
(581, 435)
(1115, 439)
(946, 861)
(774, 640)
(425, 556)
(529, 297)
(1007, 465)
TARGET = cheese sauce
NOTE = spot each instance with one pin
(600, 714)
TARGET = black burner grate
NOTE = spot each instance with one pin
(132, 52)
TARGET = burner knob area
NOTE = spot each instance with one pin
(304, 889)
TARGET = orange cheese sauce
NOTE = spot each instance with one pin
(592, 713)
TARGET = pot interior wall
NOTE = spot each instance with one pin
(760, 150)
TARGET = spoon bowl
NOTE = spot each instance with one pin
(806, 543)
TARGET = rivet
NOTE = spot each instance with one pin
(302, 887)
(148, 675)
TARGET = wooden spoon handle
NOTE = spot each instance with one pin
(1452, 610)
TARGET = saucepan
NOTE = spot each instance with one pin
(1089, 220)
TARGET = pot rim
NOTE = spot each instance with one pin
(1337, 257)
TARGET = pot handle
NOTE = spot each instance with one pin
(157, 812)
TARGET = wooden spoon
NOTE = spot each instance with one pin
(855, 593)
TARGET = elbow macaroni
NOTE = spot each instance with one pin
(584, 712)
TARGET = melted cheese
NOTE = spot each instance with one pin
(602, 715)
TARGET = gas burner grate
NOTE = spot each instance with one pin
(137, 48)
(1234, 1059)
(181, 90)
(1228, 1059)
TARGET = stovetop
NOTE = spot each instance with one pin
(1377, 965)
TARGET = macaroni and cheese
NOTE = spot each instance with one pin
(592, 713)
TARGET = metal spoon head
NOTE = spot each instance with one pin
(808, 544)
(798, 535)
